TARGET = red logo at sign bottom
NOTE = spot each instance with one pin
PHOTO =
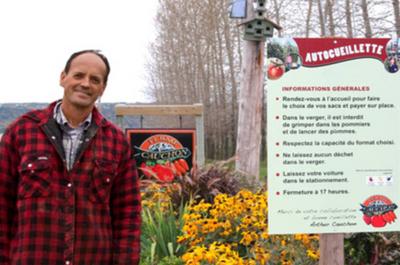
(378, 211)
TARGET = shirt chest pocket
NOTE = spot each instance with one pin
(104, 172)
(35, 174)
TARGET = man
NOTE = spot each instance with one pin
(69, 191)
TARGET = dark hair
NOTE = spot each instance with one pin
(96, 52)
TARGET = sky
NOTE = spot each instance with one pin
(37, 37)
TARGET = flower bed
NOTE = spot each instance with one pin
(232, 229)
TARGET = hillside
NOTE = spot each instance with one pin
(10, 111)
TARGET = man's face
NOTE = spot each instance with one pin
(84, 82)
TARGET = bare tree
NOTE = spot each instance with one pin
(321, 18)
(365, 15)
(196, 58)
(349, 22)
(396, 10)
(329, 15)
(277, 11)
(308, 19)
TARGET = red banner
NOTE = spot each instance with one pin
(317, 52)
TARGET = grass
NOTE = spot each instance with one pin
(263, 170)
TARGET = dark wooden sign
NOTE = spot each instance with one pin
(163, 154)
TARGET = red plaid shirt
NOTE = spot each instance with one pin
(89, 215)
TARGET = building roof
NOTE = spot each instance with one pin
(265, 19)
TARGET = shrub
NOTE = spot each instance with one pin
(372, 248)
(206, 182)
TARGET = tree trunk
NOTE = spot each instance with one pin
(228, 36)
(250, 106)
(349, 24)
(321, 19)
(396, 9)
(222, 94)
(329, 14)
(308, 19)
(365, 15)
(277, 15)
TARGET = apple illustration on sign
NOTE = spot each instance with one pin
(276, 69)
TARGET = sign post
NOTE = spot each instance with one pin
(256, 29)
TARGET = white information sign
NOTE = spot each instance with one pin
(333, 135)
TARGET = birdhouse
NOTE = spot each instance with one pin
(259, 8)
(259, 28)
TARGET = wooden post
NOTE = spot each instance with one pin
(331, 249)
(248, 143)
(200, 137)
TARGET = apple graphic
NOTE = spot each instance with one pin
(378, 221)
(367, 219)
(275, 72)
(275, 69)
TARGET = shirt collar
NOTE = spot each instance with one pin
(59, 116)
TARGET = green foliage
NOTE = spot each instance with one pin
(164, 261)
(263, 171)
(358, 248)
(372, 249)
(160, 229)
(171, 261)
(275, 50)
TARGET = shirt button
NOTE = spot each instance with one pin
(69, 185)
(67, 262)
(108, 180)
(29, 165)
(53, 137)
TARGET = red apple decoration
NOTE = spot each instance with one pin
(377, 221)
(275, 72)
(276, 68)
(367, 219)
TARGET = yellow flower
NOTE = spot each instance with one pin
(241, 218)
(313, 254)
(248, 238)
(287, 262)
(264, 235)
(199, 251)
(210, 256)
(227, 228)
(181, 239)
